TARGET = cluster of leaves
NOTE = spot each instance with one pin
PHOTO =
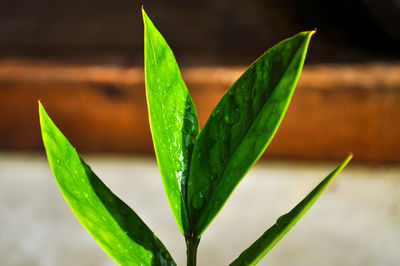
(199, 169)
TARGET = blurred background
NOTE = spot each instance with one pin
(84, 61)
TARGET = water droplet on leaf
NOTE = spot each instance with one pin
(283, 220)
(232, 117)
(198, 201)
(188, 140)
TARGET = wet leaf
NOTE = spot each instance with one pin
(173, 120)
(272, 236)
(241, 126)
(115, 226)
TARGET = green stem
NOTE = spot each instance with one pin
(192, 242)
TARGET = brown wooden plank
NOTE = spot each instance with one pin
(336, 109)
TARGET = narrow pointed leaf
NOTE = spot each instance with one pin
(272, 236)
(241, 126)
(173, 119)
(115, 226)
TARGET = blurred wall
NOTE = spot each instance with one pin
(84, 60)
(202, 32)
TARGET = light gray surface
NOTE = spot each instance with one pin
(355, 222)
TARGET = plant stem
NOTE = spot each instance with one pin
(192, 242)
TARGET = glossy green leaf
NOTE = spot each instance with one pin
(272, 236)
(173, 120)
(115, 226)
(241, 126)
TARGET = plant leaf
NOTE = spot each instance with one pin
(241, 126)
(284, 223)
(115, 226)
(173, 120)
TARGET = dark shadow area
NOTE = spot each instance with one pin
(225, 32)
(190, 131)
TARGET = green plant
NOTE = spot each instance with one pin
(199, 170)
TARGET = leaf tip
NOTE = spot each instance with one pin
(144, 15)
(315, 30)
(44, 118)
(349, 157)
(312, 32)
(143, 12)
(42, 111)
(345, 161)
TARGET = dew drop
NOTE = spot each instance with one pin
(283, 220)
(231, 111)
(206, 190)
(179, 121)
(188, 140)
(217, 109)
(189, 117)
(198, 201)
(232, 117)
(188, 122)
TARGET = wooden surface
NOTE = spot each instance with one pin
(336, 109)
